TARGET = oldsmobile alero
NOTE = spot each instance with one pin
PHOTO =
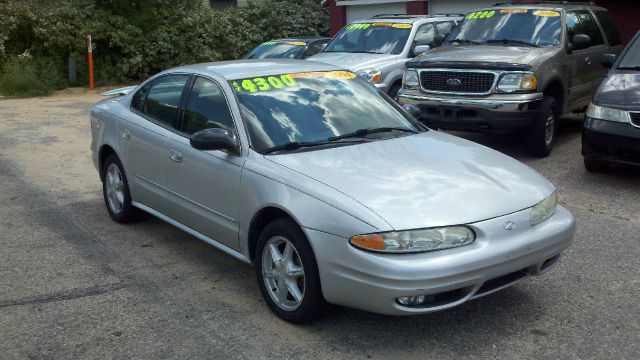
(330, 189)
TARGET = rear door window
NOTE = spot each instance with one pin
(610, 29)
(163, 98)
(590, 27)
(424, 35)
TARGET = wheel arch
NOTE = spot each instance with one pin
(555, 89)
(260, 220)
(105, 151)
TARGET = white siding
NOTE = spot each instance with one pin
(457, 6)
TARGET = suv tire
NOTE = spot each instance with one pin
(296, 273)
(393, 92)
(115, 190)
(541, 137)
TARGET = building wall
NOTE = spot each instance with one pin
(360, 12)
(457, 6)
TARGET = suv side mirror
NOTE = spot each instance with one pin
(608, 60)
(580, 42)
(421, 49)
(412, 110)
(215, 139)
(438, 40)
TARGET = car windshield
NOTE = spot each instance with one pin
(376, 38)
(534, 27)
(277, 49)
(631, 58)
(316, 107)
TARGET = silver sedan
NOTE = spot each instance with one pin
(326, 186)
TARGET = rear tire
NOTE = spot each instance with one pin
(115, 190)
(541, 137)
(393, 92)
(595, 165)
(287, 272)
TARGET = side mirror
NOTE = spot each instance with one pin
(412, 110)
(215, 139)
(421, 49)
(439, 39)
(580, 42)
(608, 60)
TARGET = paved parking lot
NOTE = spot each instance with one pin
(74, 284)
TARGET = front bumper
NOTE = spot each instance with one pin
(497, 259)
(496, 113)
(611, 141)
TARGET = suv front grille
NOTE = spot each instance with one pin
(635, 118)
(457, 81)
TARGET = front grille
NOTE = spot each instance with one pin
(635, 118)
(457, 81)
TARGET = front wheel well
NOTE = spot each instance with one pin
(103, 154)
(556, 91)
(263, 218)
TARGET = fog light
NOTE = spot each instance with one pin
(411, 300)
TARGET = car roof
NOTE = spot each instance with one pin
(407, 19)
(241, 69)
(308, 39)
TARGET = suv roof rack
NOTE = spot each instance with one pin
(525, 2)
(405, 16)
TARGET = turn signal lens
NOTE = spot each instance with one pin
(412, 241)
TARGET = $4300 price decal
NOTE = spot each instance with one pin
(264, 83)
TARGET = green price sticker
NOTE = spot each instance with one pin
(264, 84)
(481, 15)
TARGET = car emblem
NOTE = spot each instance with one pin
(509, 225)
(454, 82)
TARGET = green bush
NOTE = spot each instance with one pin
(24, 76)
(135, 39)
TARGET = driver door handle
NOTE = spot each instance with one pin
(587, 60)
(175, 155)
(126, 134)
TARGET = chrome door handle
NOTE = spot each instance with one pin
(587, 60)
(175, 155)
(126, 134)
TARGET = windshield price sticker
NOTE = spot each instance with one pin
(276, 82)
(275, 42)
(363, 26)
(514, 11)
(546, 13)
(264, 83)
(481, 15)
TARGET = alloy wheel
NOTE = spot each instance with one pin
(283, 273)
(549, 128)
(115, 188)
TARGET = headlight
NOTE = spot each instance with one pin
(605, 113)
(514, 82)
(373, 76)
(413, 241)
(410, 78)
(544, 209)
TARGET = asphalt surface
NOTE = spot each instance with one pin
(74, 284)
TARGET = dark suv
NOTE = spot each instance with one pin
(514, 68)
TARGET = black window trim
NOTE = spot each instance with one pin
(601, 27)
(151, 118)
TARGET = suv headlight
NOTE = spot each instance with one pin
(518, 82)
(413, 241)
(373, 76)
(410, 78)
(606, 113)
(544, 209)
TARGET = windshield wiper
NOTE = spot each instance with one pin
(465, 41)
(364, 132)
(295, 145)
(511, 41)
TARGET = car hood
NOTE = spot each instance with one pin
(353, 61)
(486, 56)
(424, 180)
(620, 89)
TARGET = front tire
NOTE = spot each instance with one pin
(541, 137)
(115, 190)
(393, 92)
(595, 165)
(287, 272)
